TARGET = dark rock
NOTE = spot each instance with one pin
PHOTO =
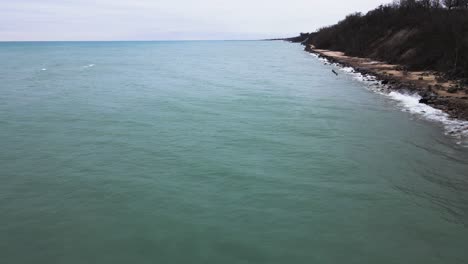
(452, 89)
(423, 101)
(427, 97)
(399, 86)
(440, 79)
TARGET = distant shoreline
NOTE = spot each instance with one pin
(433, 89)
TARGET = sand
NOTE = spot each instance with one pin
(423, 82)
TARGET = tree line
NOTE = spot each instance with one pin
(450, 4)
(423, 35)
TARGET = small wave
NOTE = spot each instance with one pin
(43, 69)
(322, 59)
(410, 103)
(88, 66)
(348, 69)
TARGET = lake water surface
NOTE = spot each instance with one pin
(217, 152)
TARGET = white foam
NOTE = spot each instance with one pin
(43, 69)
(88, 66)
(410, 103)
(348, 69)
(320, 58)
(323, 60)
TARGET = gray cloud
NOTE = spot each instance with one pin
(169, 19)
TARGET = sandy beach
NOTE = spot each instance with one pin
(435, 90)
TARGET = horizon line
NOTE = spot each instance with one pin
(162, 40)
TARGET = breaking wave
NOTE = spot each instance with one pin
(409, 103)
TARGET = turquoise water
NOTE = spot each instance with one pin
(216, 152)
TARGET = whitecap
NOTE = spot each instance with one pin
(348, 69)
(323, 60)
(410, 103)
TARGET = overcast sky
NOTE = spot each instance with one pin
(168, 19)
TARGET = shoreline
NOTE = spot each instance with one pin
(434, 90)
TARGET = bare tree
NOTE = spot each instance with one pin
(435, 4)
(425, 3)
(462, 3)
(449, 3)
(407, 3)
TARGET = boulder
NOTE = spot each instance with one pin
(452, 89)
(427, 97)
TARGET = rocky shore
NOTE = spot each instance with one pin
(447, 95)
